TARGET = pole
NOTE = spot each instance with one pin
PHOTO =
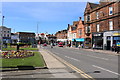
(3, 20)
(37, 27)
(2, 32)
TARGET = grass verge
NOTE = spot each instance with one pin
(35, 61)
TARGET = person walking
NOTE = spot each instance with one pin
(79, 46)
(117, 49)
(51, 45)
(93, 47)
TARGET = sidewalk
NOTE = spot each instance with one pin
(55, 67)
(95, 50)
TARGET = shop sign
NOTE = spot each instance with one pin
(116, 34)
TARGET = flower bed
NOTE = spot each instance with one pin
(15, 54)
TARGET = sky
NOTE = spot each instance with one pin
(49, 16)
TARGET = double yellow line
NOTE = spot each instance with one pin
(73, 67)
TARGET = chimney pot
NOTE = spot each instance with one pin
(79, 18)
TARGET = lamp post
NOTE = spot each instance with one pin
(2, 32)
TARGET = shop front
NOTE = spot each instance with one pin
(97, 39)
(111, 38)
(87, 43)
(78, 41)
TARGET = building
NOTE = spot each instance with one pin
(42, 38)
(72, 33)
(52, 39)
(5, 34)
(61, 36)
(69, 34)
(14, 38)
(102, 24)
(26, 37)
(80, 33)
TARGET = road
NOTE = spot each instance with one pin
(95, 64)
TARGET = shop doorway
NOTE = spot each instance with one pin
(108, 45)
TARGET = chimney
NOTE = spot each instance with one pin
(68, 25)
(80, 18)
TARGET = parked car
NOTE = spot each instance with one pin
(44, 44)
(60, 44)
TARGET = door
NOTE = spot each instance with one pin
(108, 45)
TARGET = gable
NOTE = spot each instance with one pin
(88, 7)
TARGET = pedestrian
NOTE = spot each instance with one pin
(117, 49)
(79, 46)
(113, 47)
(51, 45)
(93, 47)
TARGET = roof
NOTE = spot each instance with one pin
(74, 28)
(26, 32)
(93, 5)
(4, 27)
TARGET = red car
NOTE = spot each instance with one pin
(44, 44)
(60, 44)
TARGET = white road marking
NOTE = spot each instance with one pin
(72, 58)
(98, 57)
(56, 53)
(106, 70)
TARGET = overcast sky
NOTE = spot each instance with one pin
(50, 16)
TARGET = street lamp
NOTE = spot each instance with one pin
(2, 32)
(3, 20)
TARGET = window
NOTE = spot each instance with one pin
(97, 15)
(80, 32)
(98, 27)
(110, 25)
(88, 29)
(110, 10)
(8, 35)
(74, 36)
(88, 18)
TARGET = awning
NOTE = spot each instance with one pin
(79, 39)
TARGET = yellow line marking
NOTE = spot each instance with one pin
(73, 67)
